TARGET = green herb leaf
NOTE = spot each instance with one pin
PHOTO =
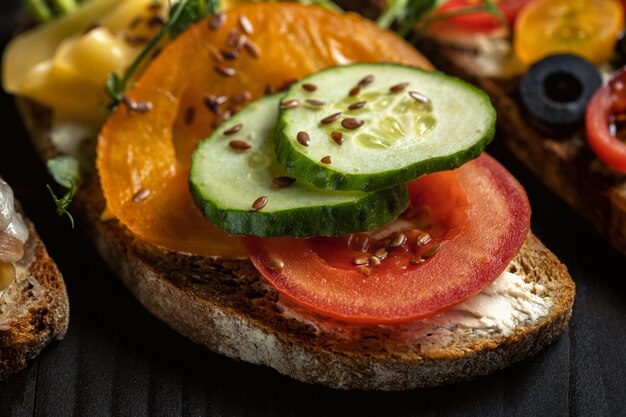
(182, 15)
(66, 172)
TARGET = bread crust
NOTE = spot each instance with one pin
(41, 315)
(562, 160)
(229, 308)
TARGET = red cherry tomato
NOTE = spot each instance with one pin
(483, 21)
(477, 217)
(606, 114)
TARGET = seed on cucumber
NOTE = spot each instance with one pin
(238, 185)
(394, 123)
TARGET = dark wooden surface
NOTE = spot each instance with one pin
(118, 360)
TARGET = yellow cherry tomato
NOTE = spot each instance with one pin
(587, 28)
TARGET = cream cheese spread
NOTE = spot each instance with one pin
(497, 310)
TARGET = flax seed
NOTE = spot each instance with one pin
(259, 203)
(354, 91)
(245, 25)
(283, 182)
(352, 123)
(366, 81)
(309, 87)
(233, 36)
(231, 131)
(329, 119)
(190, 115)
(398, 88)
(229, 55)
(156, 21)
(241, 97)
(419, 97)
(365, 271)
(357, 105)
(252, 49)
(397, 240)
(141, 195)
(326, 160)
(360, 260)
(422, 239)
(381, 253)
(276, 264)
(137, 106)
(303, 138)
(431, 251)
(416, 261)
(225, 71)
(337, 137)
(289, 104)
(239, 145)
(217, 21)
(315, 103)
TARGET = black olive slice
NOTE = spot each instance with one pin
(556, 89)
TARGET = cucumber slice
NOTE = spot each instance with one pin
(433, 123)
(226, 182)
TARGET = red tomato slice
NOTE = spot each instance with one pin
(480, 22)
(478, 216)
(604, 111)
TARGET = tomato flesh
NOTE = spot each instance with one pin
(604, 121)
(482, 21)
(478, 216)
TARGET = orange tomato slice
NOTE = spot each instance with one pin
(588, 28)
(144, 157)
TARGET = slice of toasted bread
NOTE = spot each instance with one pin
(562, 160)
(34, 309)
(228, 307)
